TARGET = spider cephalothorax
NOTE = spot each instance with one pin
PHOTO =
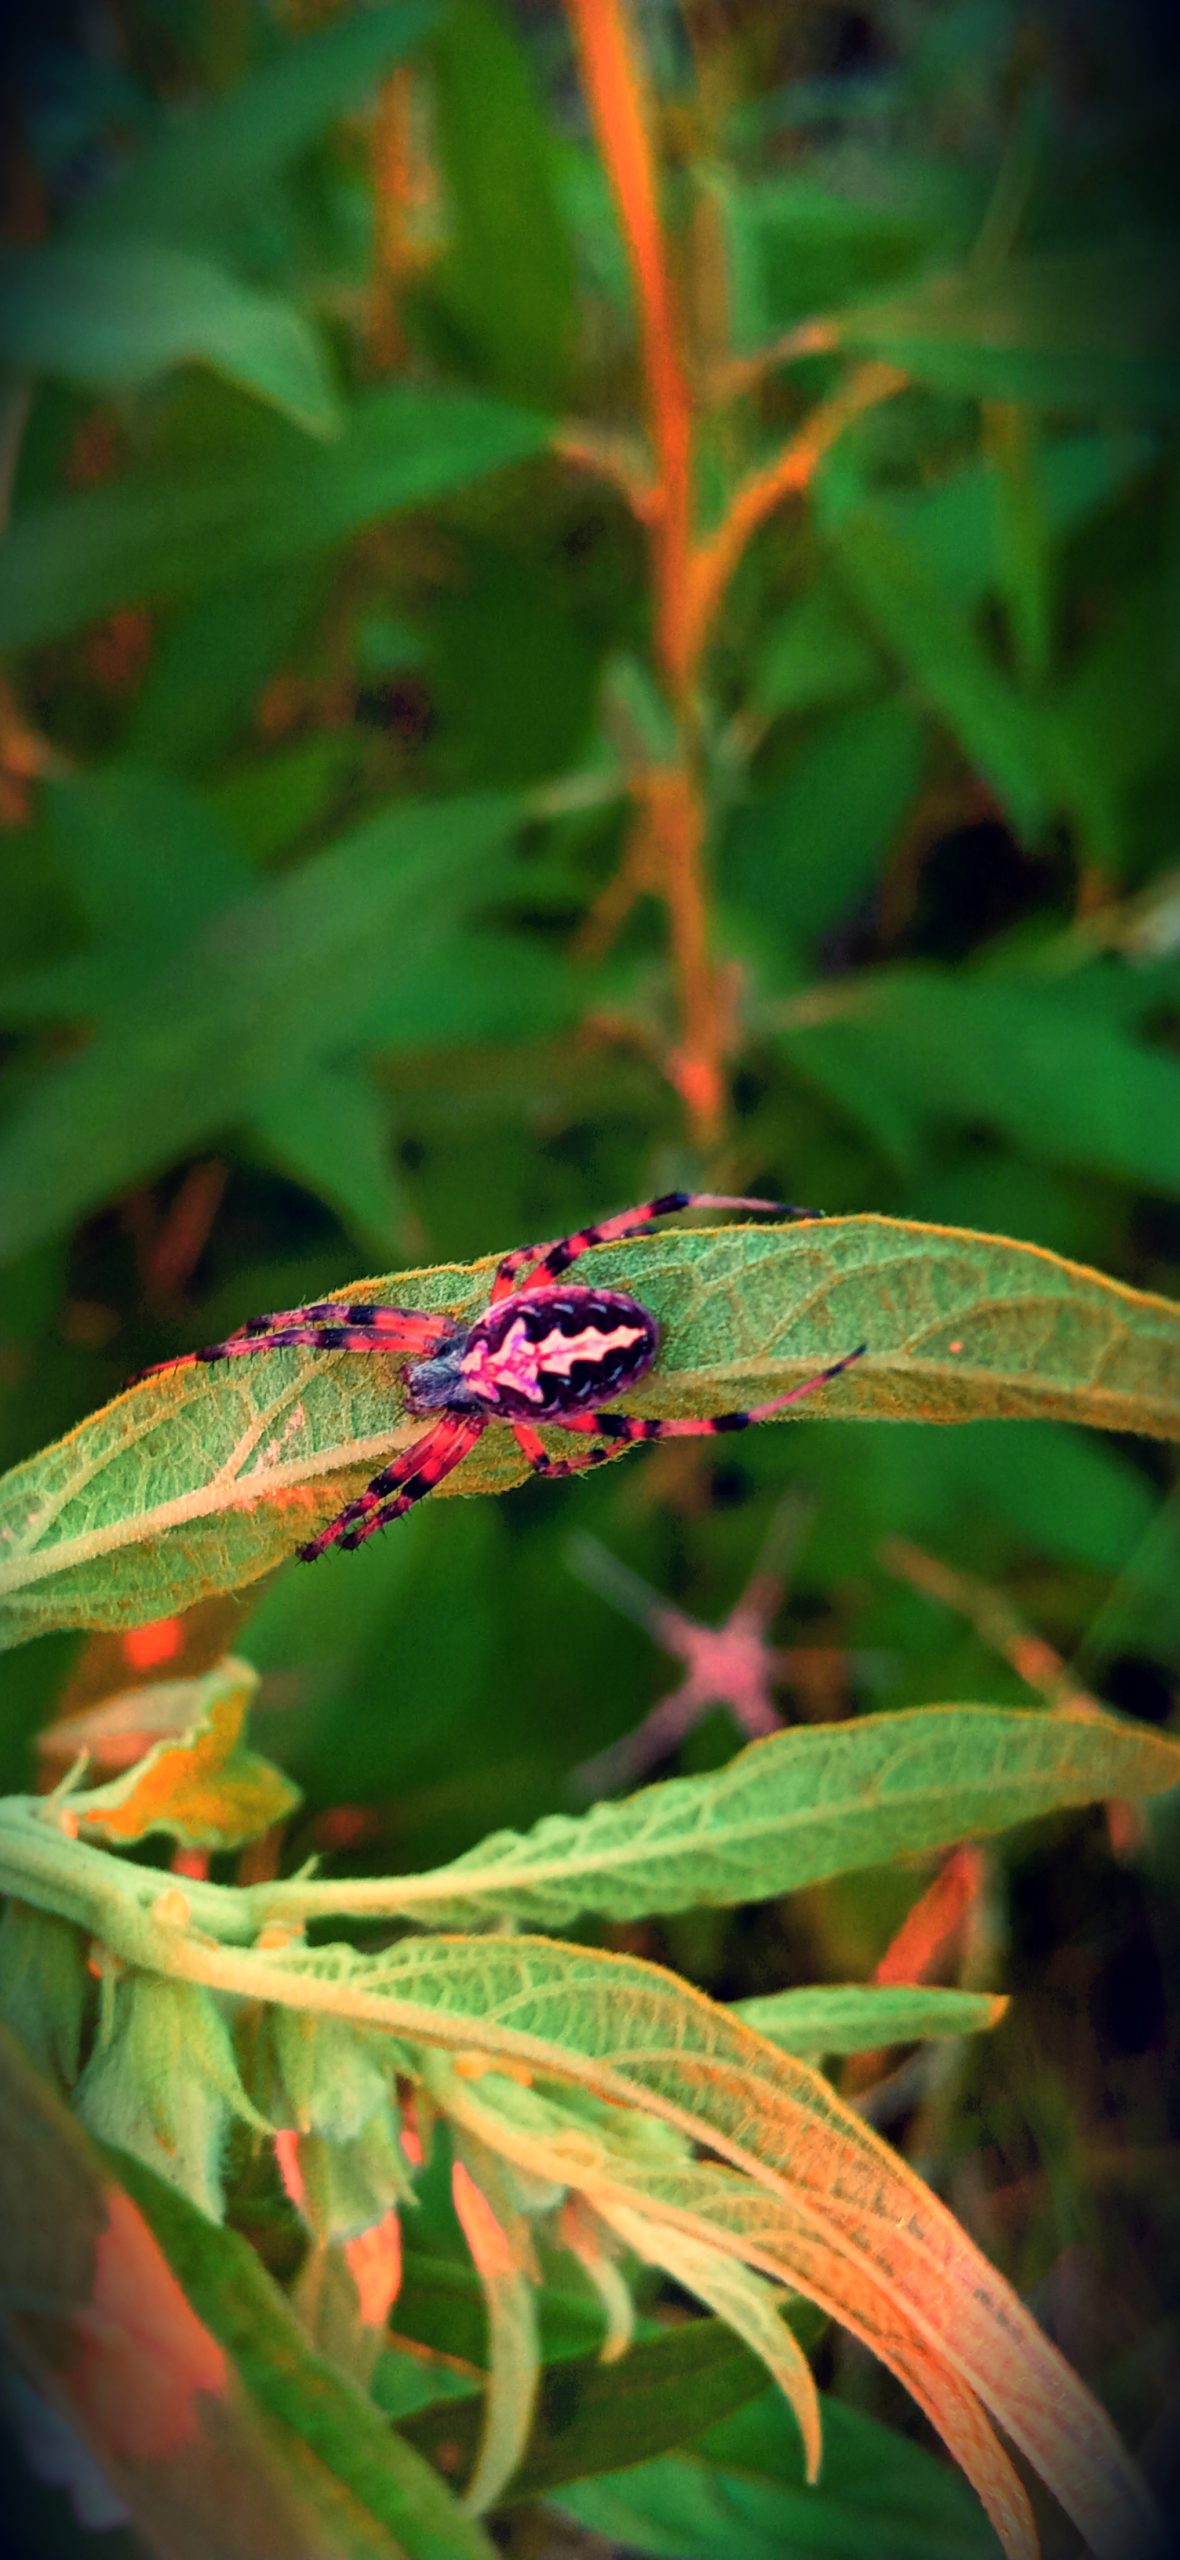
(542, 1352)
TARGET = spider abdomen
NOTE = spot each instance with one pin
(553, 1351)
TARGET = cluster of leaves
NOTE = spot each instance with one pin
(517, 696)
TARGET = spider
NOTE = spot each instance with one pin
(539, 1353)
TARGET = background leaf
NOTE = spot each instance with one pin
(167, 533)
(113, 316)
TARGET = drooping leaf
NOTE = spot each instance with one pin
(70, 559)
(1042, 1062)
(591, 2416)
(802, 855)
(96, 2320)
(202, 1480)
(811, 1801)
(272, 983)
(204, 1789)
(201, 163)
(739, 2494)
(110, 316)
(751, 2308)
(375, 2497)
(1084, 329)
(859, 2017)
(822, 2203)
(330, 1131)
(941, 652)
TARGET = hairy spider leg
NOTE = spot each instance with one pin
(556, 1258)
(533, 1448)
(411, 1476)
(629, 1426)
(327, 1326)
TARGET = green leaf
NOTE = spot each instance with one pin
(201, 1480)
(70, 559)
(147, 861)
(739, 2494)
(1115, 719)
(858, 2017)
(96, 2321)
(956, 526)
(812, 1801)
(936, 645)
(273, 983)
(592, 2417)
(1035, 1061)
(506, 281)
(362, 2482)
(109, 316)
(211, 662)
(816, 654)
(802, 854)
(1088, 329)
(331, 1132)
(200, 163)
(204, 1788)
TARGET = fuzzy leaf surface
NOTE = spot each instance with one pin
(811, 1801)
(858, 2017)
(201, 1481)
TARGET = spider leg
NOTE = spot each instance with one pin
(329, 1325)
(628, 1426)
(552, 1259)
(543, 1465)
(407, 1479)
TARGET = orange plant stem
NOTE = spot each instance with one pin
(615, 94)
(671, 823)
(393, 195)
(791, 470)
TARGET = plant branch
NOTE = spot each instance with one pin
(789, 472)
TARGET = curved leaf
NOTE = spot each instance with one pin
(112, 315)
(823, 2203)
(165, 533)
(202, 1480)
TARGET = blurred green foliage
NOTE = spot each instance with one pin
(326, 680)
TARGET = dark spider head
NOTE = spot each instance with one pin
(438, 1384)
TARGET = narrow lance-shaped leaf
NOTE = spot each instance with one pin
(267, 985)
(713, 2230)
(860, 2017)
(112, 315)
(64, 562)
(812, 1801)
(737, 2296)
(201, 1481)
(201, 163)
(1087, 329)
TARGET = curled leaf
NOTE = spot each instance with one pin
(204, 1789)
